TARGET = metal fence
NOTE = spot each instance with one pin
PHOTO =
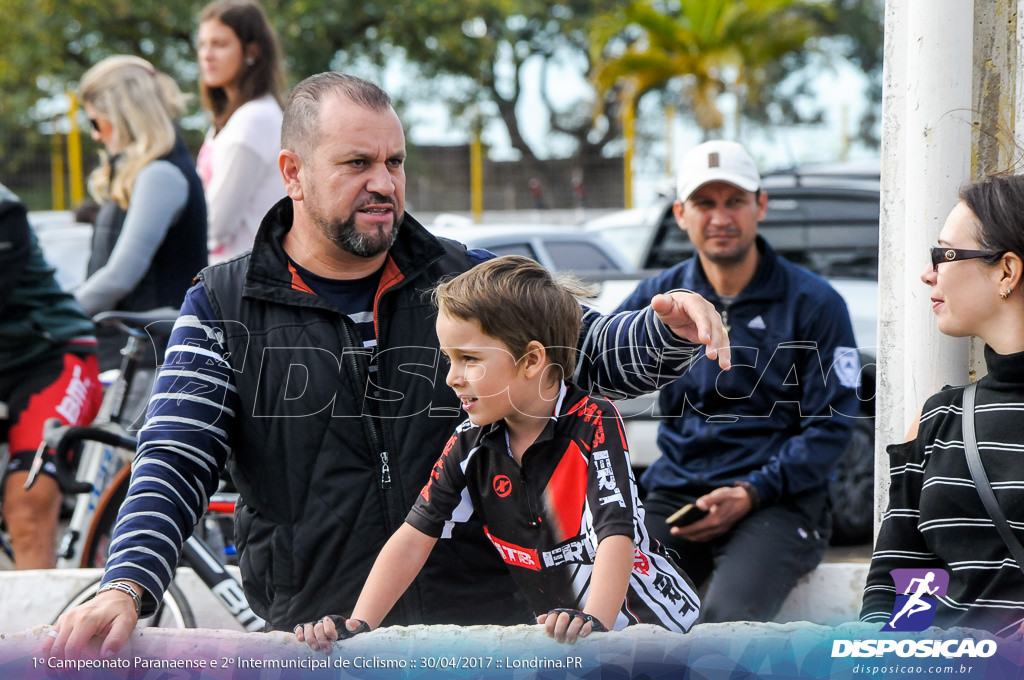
(48, 166)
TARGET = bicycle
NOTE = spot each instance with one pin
(195, 553)
(101, 484)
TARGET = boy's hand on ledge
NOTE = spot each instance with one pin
(321, 635)
(566, 625)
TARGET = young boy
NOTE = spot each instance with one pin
(543, 464)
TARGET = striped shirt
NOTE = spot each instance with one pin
(935, 517)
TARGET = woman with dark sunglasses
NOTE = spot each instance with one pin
(149, 237)
(936, 524)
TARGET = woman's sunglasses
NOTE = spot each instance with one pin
(940, 255)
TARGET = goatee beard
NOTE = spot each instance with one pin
(351, 240)
(346, 236)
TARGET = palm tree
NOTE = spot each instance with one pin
(714, 46)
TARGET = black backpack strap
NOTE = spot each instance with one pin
(981, 482)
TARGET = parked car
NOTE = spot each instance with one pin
(65, 243)
(560, 248)
(822, 217)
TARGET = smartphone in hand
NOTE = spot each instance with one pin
(686, 515)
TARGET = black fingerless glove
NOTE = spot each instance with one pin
(339, 623)
(595, 624)
(343, 632)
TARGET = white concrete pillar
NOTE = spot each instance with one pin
(951, 102)
(926, 149)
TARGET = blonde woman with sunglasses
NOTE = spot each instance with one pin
(149, 238)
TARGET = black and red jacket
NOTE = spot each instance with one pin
(547, 517)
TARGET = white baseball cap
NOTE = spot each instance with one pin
(717, 161)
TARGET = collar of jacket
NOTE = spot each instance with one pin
(492, 435)
(269, 276)
(767, 284)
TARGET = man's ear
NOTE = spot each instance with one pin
(290, 165)
(762, 205)
(535, 359)
(678, 207)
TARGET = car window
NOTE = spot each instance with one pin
(629, 239)
(523, 249)
(579, 256)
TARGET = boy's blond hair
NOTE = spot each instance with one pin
(516, 300)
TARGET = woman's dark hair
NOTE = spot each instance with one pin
(998, 203)
(266, 75)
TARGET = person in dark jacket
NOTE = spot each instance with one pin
(48, 370)
(753, 448)
(311, 367)
(149, 236)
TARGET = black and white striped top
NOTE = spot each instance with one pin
(935, 516)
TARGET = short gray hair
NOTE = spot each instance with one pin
(302, 110)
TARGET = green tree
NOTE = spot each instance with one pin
(712, 46)
(48, 44)
(470, 55)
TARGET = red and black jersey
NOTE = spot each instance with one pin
(545, 518)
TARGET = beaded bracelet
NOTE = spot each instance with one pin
(124, 588)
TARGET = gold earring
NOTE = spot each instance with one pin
(1006, 293)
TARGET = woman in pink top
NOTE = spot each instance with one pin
(242, 84)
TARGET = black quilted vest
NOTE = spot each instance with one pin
(327, 473)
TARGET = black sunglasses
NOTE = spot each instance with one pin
(940, 255)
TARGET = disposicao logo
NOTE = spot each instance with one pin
(917, 596)
(914, 609)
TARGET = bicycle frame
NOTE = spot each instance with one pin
(100, 462)
(108, 449)
(211, 571)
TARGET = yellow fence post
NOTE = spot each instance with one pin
(670, 143)
(629, 134)
(476, 176)
(75, 182)
(57, 170)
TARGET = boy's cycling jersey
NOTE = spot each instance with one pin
(546, 518)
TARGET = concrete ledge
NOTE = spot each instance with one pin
(829, 595)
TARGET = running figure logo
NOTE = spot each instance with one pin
(917, 593)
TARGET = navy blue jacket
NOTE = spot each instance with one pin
(782, 416)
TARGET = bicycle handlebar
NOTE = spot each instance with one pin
(140, 325)
(61, 438)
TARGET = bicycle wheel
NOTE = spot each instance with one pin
(97, 541)
(174, 610)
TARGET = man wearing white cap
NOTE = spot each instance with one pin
(752, 448)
